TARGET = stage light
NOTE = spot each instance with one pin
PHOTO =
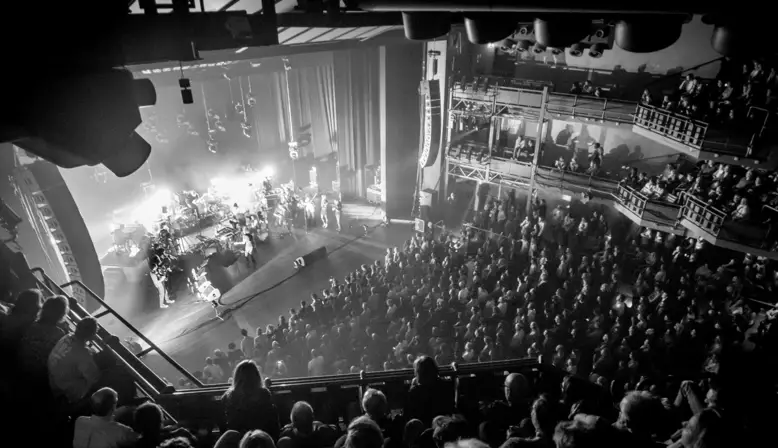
(162, 196)
(269, 171)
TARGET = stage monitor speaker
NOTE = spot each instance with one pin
(309, 259)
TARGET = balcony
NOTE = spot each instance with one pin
(473, 161)
(488, 98)
(701, 140)
(645, 212)
(714, 226)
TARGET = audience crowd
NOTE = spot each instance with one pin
(725, 101)
(645, 332)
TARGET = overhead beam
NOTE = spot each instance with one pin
(539, 6)
(172, 37)
(181, 37)
(344, 20)
(242, 63)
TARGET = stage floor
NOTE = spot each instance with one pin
(189, 330)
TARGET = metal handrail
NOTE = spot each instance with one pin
(769, 207)
(104, 341)
(596, 184)
(672, 125)
(188, 375)
(708, 218)
(363, 378)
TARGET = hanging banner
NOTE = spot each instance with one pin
(431, 125)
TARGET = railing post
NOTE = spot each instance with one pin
(538, 143)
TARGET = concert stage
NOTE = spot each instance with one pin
(190, 331)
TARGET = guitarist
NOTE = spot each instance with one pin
(161, 267)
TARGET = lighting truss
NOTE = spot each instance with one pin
(484, 174)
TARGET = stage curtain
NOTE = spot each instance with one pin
(268, 117)
(326, 77)
(357, 115)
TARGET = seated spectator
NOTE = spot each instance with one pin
(743, 211)
(576, 88)
(304, 431)
(704, 429)
(72, 370)
(148, 423)
(641, 416)
(429, 395)
(646, 98)
(515, 408)
(176, 442)
(448, 429)
(588, 88)
(256, 439)
(99, 430)
(543, 422)
(689, 85)
(40, 339)
(363, 433)
(586, 431)
(248, 404)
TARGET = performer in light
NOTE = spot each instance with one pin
(337, 206)
(325, 204)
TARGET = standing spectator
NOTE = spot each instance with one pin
(41, 338)
(429, 395)
(99, 430)
(316, 365)
(16, 324)
(246, 344)
(72, 370)
(213, 373)
(233, 354)
(247, 404)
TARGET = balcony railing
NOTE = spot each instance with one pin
(591, 107)
(150, 378)
(705, 216)
(676, 127)
(632, 200)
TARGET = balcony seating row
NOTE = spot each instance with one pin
(699, 137)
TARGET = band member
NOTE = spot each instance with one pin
(161, 268)
(267, 186)
(248, 248)
(325, 204)
(337, 205)
(310, 212)
(279, 214)
(238, 219)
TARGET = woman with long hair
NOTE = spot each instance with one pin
(248, 404)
